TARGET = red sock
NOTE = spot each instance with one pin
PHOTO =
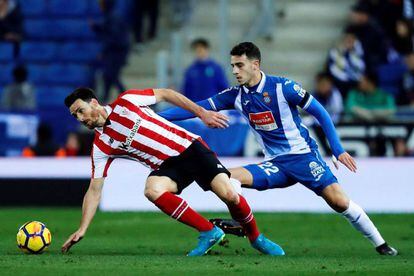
(178, 209)
(243, 214)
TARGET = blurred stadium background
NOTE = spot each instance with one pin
(338, 50)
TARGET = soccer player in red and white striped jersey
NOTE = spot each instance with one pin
(128, 128)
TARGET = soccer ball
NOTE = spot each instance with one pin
(33, 237)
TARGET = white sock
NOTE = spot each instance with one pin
(236, 185)
(361, 222)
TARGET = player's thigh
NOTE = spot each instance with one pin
(155, 186)
(268, 175)
(242, 175)
(310, 170)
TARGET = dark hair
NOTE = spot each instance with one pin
(351, 29)
(200, 42)
(372, 77)
(361, 8)
(84, 93)
(20, 74)
(246, 48)
(323, 76)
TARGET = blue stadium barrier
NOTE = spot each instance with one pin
(38, 28)
(38, 51)
(33, 8)
(79, 52)
(6, 52)
(6, 73)
(69, 29)
(68, 8)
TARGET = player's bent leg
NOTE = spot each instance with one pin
(338, 200)
(241, 212)
(242, 175)
(159, 190)
(335, 197)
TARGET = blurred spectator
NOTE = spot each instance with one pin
(329, 96)
(407, 95)
(372, 37)
(114, 33)
(401, 148)
(402, 38)
(44, 145)
(11, 23)
(72, 145)
(20, 94)
(346, 62)
(385, 12)
(182, 11)
(369, 103)
(142, 10)
(204, 77)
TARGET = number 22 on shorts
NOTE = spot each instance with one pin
(268, 168)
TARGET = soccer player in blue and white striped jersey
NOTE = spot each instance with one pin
(269, 103)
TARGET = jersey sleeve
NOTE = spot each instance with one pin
(100, 162)
(225, 99)
(295, 94)
(139, 97)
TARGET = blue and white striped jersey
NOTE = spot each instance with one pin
(271, 109)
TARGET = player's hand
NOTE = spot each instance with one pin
(214, 119)
(74, 238)
(346, 159)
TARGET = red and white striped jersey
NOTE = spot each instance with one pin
(135, 131)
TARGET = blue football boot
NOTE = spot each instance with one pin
(267, 247)
(206, 241)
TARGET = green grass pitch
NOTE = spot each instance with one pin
(151, 243)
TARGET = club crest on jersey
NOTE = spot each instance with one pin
(266, 98)
(316, 170)
(263, 121)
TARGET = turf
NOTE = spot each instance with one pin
(151, 243)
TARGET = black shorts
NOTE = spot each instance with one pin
(197, 163)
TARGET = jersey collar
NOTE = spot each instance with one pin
(260, 87)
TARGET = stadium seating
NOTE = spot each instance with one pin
(43, 95)
(33, 7)
(68, 8)
(38, 52)
(6, 52)
(79, 52)
(60, 52)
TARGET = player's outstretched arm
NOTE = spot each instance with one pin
(210, 118)
(317, 110)
(90, 204)
(179, 114)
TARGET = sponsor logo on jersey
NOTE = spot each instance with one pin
(301, 92)
(246, 102)
(266, 98)
(263, 121)
(316, 170)
(130, 138)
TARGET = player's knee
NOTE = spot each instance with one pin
(231, 197)
(152, 193)
(340, 204)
